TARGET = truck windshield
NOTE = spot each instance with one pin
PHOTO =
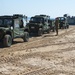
(36, 20)
(5, 22)
(62, 19)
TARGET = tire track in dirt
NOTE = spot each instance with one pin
(48, 71)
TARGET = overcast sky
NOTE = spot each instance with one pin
(54, 8)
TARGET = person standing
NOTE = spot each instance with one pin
(56, 25)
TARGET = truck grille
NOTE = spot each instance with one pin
(33, 27)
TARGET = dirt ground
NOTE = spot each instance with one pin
(44, 55)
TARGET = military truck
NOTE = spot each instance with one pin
(12, 27)
(39, 24)
(63, 23)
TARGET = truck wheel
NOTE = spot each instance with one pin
(59, 27)
(26, 37)
(40, 32)
(7, 41)
(67, 26)
(48, 31)
(53, 29)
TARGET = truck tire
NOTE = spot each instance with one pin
(60, 27)
(67, 26)
(26, 37)
(40, 32)
(7, 40)
(48, 31)
(53, 29)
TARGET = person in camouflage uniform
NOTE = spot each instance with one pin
(56, 25)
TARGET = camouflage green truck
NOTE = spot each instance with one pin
(12, 27)
(39, 24)
(63, 23)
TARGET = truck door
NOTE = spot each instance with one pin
(16, 27)
(22, 26)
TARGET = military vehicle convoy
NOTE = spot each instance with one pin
(39, 24)
(16, 26)
(63, 23)
(12, 27)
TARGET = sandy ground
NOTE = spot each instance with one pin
(44, 55)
